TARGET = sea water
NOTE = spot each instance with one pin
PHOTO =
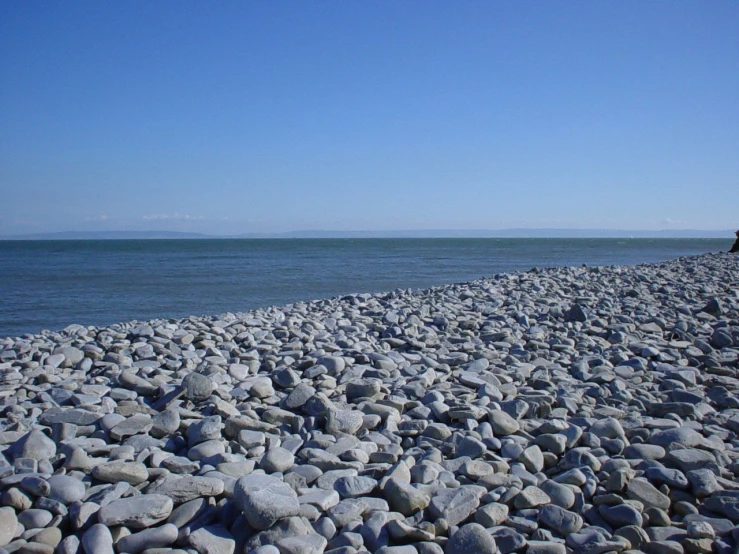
(52, 284)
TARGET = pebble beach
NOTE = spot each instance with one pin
(581, 410)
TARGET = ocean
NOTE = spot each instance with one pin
(52, 284)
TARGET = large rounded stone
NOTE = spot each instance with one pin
(8, 523)
(198, 387)
(265, 500)
(65, 489)
(34, 445)
(97, 540)
(344, 421)
(471, 539)
(277, 460)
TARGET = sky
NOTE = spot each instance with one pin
(239, 117)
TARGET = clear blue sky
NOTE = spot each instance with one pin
(229, 117)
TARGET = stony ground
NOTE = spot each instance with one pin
(583, 410)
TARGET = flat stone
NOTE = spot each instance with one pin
(725, 503)
(137, 512)
(185, 488)
(213, 539)
(672, 477)
(354, 486)
(685, 436)
(134, 425)
(647, 494)
(471, 447)
(532, 459)
(133, 473)
(545, 547)
(531, 497)
(156, 537)
(454, 505)
(308, 544)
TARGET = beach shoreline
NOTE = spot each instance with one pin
(563, 409)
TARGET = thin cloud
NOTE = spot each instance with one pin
(174, 217)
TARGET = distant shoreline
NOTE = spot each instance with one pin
(422, 234)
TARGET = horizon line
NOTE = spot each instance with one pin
(511, 232)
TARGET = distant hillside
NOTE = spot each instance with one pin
(106, 235)
(498, 233)
(424, 233)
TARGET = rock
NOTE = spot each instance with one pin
(97, 540)
(647, 494)
(139, 423)
(559, 519)
(206, 429)
(621, 515)
(198, 387)
(35, 518)
(491, 515)
(185, 488)
(560, 495)
(471, 539)
(34, 445)
(309, 544)
(277, 460)
(156, 537)
(353, 486)
(69, 545)
(212, 539)
(133, 473)
(502, 423)
(8, 524)
(404, 497)
(164, 423)
(725, 503)
(531, 497)
(700, 530)
(532, 459)
(454, 505)
(344, 421)
(687, 437)
(65, 489)
(299, 396)
(137, 512)
(265, 500)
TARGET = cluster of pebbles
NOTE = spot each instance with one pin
(577, 410)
